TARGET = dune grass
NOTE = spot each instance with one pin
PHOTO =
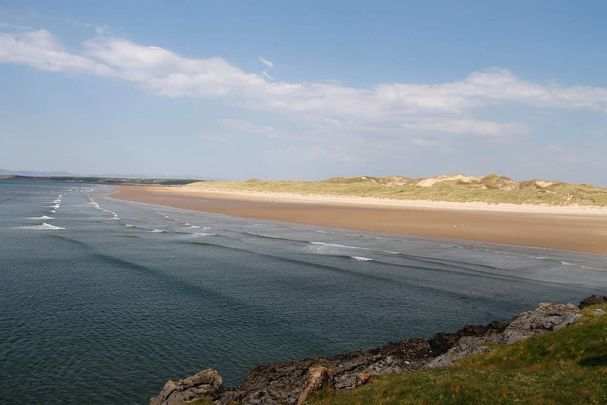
(564, 367)
(489, 189)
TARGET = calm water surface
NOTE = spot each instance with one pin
(102, 301)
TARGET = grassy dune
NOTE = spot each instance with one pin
(457, 188)
(564, 367)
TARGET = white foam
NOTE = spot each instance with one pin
(53, 211)
(194, 227)
(361, 259)
(43, 227)
(199, 234)
(155, 230)
(336, 245)
(42, 217)
(130, 226)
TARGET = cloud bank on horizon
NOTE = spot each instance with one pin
(391, 108)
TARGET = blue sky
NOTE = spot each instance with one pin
(275, 89)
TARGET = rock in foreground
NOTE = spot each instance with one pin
(205, 384)
(292, 382)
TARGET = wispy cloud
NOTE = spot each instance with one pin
(393, 109)
(465, 126)
(266, 62)
(40, 49)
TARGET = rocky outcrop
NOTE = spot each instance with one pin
(294, 381)
(593, 300)
(317, 377)
(205, 384)
(544, 318)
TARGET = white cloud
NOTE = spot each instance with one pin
(319, 109)
(267, 75)
(40, 49)
(266, 62)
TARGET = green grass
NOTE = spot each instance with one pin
(564, 367)
(490, 189)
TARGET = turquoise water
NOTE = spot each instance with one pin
(102, 301)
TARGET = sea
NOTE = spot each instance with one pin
(102, 301)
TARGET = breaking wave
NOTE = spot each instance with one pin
(362, 259)
(43, 227)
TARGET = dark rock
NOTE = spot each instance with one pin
(592, 300)
(280, 383)
(442, 342)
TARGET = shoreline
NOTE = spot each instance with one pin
(294, 382)
(580, 229)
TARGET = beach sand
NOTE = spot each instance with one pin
(567, 228)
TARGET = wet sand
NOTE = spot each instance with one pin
(567, 231)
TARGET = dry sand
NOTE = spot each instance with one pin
(568, 228)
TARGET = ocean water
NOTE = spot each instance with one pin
(102, 301)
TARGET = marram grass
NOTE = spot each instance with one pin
(491, 189)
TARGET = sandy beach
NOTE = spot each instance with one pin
(579, 229)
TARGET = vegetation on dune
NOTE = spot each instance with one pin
(454, 188)
(564, 367)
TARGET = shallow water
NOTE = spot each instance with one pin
(102, 301)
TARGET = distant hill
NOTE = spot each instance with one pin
(33, 173)
(492, 188)
(100, 180)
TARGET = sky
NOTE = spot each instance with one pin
(305, 89)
